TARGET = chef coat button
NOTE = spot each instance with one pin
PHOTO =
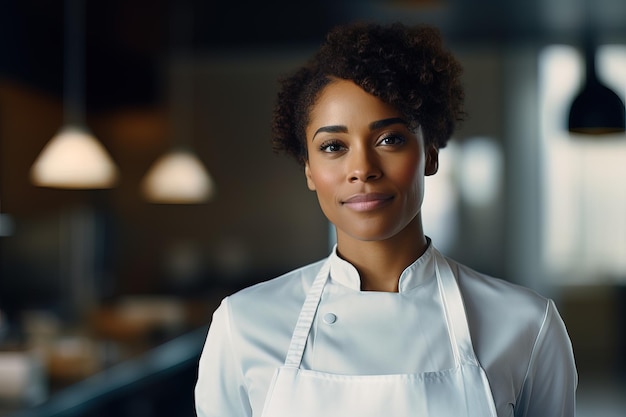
(329, 318)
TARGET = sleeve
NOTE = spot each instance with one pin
(220, 390)
(550, 385)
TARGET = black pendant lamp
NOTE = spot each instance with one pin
(596, 110)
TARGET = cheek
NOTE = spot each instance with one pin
(409, 173)
(324, 181)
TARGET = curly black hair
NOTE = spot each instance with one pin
(404, 66)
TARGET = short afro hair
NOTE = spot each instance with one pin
(404, 66)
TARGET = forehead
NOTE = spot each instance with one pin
(342, 102)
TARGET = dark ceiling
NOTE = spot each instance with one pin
(126, 39)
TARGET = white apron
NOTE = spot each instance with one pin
(457, 392)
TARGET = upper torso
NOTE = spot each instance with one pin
(368, 333)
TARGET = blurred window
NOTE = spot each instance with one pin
(583, 201)
(469, 176)
(440, 208)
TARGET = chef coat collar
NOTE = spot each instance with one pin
(420, 271)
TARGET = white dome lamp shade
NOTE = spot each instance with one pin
(74, 159)
(178, 177)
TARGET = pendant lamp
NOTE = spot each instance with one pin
(179, 177)
(596, 109)
(74, 158)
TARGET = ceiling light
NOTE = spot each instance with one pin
(74, 158)
(597, 109)
(178, 177)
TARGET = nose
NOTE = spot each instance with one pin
(363, 166)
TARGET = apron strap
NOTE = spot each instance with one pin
(454, 311)
(305, 320)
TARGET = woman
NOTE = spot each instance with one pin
(386, 325)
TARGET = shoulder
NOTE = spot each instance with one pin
(499, 310)
(487, 295)
(260, 319)
(292, 281)
(287, 290)
(514, 329)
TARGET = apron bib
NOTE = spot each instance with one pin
(462, 391)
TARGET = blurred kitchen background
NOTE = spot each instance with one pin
(108, 279)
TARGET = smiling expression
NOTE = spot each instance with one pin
(365, 164)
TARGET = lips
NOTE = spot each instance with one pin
(367, 202)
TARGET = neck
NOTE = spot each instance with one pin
(380, 263)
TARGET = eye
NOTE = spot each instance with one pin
(331, 146)
(391, 139)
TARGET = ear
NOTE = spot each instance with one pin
(432, 160)
(309, 179)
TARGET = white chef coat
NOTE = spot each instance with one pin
(518, 336)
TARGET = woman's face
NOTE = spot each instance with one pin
(365, 165)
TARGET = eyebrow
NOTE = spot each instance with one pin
(330, 129)
(387, 122)
(378, 124)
